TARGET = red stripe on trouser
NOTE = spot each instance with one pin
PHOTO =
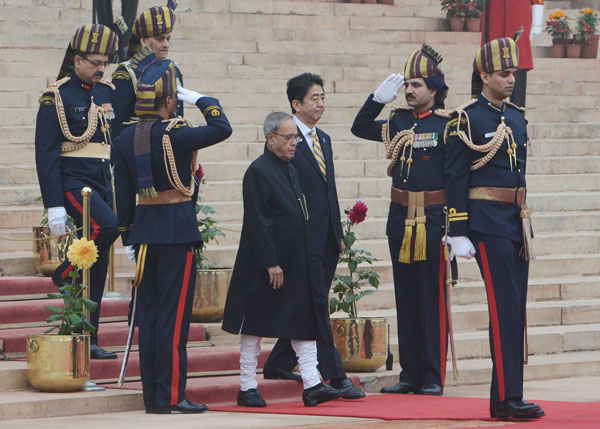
(442, 314)
(177, 332)
(95, 226)
(489, 287)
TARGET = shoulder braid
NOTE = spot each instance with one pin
(169, 158)
(107, 83)
(514, 106)
(395, 145)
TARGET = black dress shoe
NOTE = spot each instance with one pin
(270, 373)
(402, 387)
(97, 352)
(150, 410)
(322, 393)
(431, 389)
(185, 407)
(250, 398)
(516, 408)
(353, 393)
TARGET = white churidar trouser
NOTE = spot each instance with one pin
(306, 351)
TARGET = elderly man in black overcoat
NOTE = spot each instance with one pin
(270, 293)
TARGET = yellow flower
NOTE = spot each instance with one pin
(82, 253)
(552, 15)
(559, 13)
(587, 10)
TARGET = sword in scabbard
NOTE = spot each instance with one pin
(451, 275)
(129, 338)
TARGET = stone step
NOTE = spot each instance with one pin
(473, 292)
(12, 375)
(542, 340)
(541, 313)
(478, 371)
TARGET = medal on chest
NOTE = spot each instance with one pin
(423, 140)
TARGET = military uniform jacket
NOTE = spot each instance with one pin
(427, 169)
(488, 217)
(58, 174)
(273, 234)
(125, 80)
(166, 223)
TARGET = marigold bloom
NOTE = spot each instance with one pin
(559, 14)
(82, 253)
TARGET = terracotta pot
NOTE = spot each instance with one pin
(473, 24)
(355, 1)
(385, 1)
(457, 24)
(573, 51)
(558, 51)
(370, 1)
(590, 49)
(361, 342)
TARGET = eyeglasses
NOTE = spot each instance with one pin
(95, 63)
(288, 137)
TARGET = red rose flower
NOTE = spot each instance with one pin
(200, 173)
(358, 212)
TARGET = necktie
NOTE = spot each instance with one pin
(318, 153)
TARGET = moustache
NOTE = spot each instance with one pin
(98, 74)
(409, 97)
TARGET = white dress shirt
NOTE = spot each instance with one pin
(306, 132)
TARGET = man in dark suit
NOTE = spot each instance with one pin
(314, 162)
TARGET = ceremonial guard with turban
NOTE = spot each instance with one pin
(413, 138)
(156, 159)
(73, 150)
(486, 153)
(150, 40)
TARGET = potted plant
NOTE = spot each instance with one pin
(558, 28)
(361, 341)
(212, 283)
(473, 12)
(49, 250)
(60, 362)
(587, 23)
(456, 12)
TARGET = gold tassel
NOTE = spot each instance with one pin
(406, 241)
(420, 240)
(149, 192)
(527, 251)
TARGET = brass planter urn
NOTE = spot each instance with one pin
(49, 251)
(362, 342)
(58, 363)
(210, 294)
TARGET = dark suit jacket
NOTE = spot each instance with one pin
(321, 195)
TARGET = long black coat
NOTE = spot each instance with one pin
(273, 233)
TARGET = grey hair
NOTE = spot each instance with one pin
(274, 120)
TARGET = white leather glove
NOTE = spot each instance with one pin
(188, 96)
(461, 246)
(130, 252)
(57, 218)
(537, 19)
(388, 89)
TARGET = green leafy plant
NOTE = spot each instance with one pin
(557, 26)
(207, 225)
(586, 25)
(462, 8)
(348, 287)
(83, 254)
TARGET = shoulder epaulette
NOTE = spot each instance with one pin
(465, 105)
(56, 85)
(107, 83)
(177, 122)
(403, 107)
(443, 113)
(514, 106)
(121, 74)
(47, 100)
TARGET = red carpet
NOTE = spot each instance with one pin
(414, 407)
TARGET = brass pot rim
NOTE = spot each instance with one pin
(74, 334)
(215, 269)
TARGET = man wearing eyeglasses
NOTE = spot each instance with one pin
(150, 41)
(72, 151)
(314, 162)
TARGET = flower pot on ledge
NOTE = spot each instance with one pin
(457, 24)
(558, 49)
(210, 294)
(473, 24)
(589, 49)
(573, 50)
(362, 342)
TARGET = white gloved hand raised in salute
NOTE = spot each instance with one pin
(388, 89)
(461, 246)
(537, 20)
(188, 96)
(57, 218)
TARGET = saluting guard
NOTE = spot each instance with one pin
(413, 138)
(73, 150)
(156, 159)
(486, 154)
(151, 33)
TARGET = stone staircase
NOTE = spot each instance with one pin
(243, 51)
